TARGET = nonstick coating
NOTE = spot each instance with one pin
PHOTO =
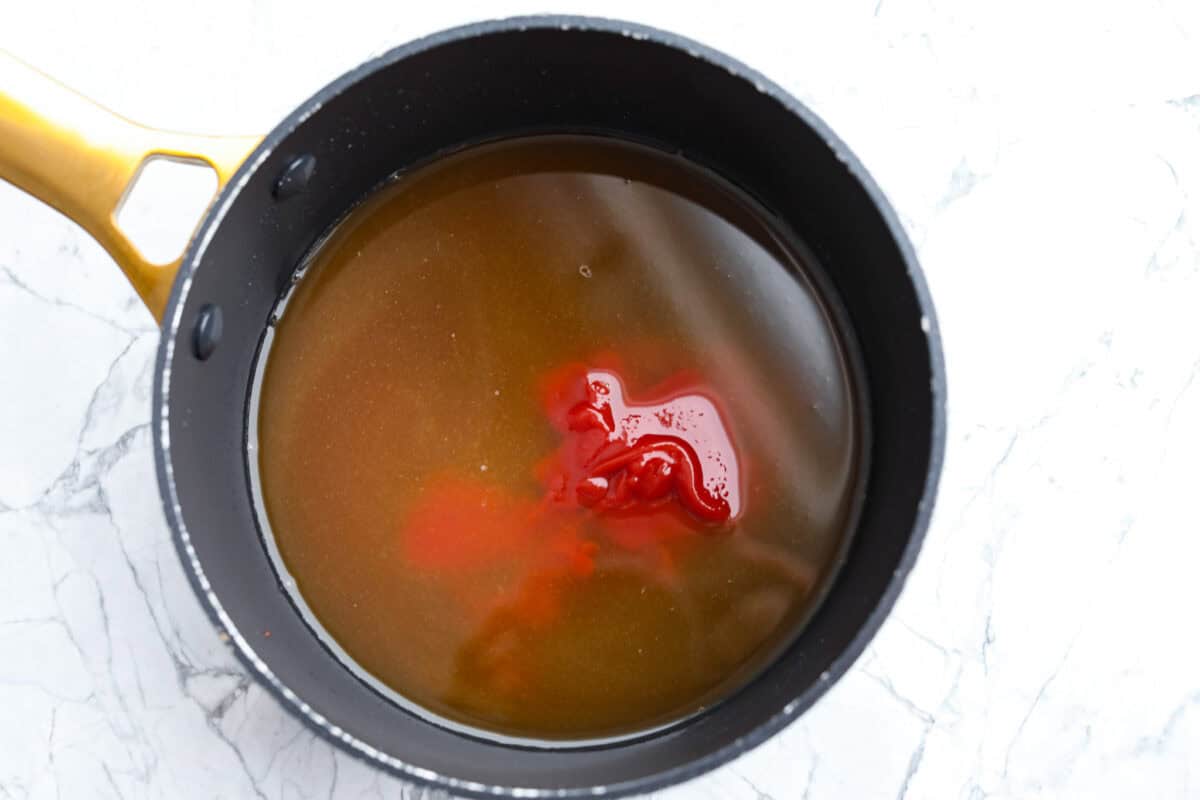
(482, 82)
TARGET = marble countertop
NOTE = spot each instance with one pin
(1045, 159)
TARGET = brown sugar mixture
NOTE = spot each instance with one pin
(556, 439)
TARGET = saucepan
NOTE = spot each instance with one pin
(279, 194)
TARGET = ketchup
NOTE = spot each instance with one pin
(650, 453)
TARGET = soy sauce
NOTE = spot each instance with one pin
(474, 540)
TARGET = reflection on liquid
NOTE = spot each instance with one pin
(479, 525)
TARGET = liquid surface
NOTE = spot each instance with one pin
(556, 440)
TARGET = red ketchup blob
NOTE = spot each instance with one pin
(651, 452)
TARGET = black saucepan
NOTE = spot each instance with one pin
(475, 83)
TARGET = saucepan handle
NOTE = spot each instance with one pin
(81, 159)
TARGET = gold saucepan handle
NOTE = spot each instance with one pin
(80, 158)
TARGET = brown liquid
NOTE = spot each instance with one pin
(404, 435)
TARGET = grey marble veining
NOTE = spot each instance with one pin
(1045, 159)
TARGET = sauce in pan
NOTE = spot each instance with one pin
(556, 439)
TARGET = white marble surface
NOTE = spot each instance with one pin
(1045, 159)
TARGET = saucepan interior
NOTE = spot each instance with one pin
(482, 83)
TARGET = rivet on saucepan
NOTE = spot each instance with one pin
(295, 177)
(207, 333)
